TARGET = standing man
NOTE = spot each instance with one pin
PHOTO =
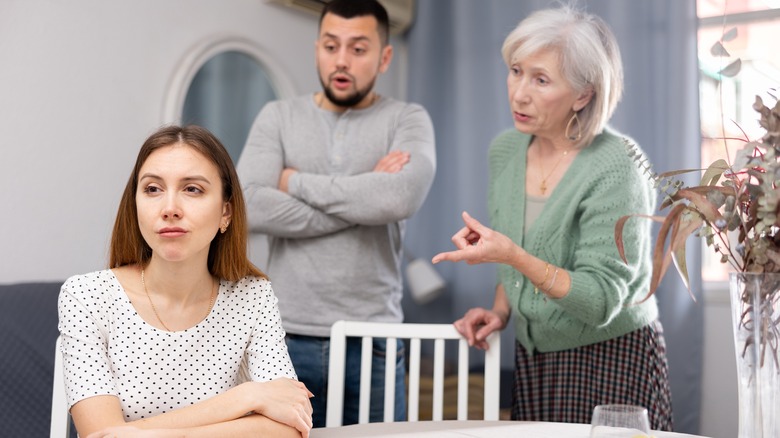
(331, 178)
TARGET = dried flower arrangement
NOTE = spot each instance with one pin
(735, 208)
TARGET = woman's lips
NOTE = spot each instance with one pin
(172, 232)
(520, 117)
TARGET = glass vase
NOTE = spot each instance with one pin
(755, 316)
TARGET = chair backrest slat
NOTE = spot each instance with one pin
(438, 379)
(492, 378)
(413, 411)
(338, 354)
(391, 349)
(463, 380)
(365, 378)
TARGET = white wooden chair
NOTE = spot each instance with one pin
(341, 330)
(60, 418)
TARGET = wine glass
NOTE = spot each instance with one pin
(619, 421)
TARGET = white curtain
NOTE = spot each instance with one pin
(456, 72)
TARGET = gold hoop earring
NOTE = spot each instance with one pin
(573, 119)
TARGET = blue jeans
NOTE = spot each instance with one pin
(310, 357)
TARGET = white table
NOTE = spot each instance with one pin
(465, 429)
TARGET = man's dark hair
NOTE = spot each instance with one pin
(360, 8)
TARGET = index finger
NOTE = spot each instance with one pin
(450, 256)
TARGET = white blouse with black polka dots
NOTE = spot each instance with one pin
(109, 350)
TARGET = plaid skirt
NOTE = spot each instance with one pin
(565, 386)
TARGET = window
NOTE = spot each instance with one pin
(727, 102)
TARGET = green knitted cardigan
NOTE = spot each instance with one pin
(575, 231)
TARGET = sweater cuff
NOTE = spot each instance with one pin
(577, 302)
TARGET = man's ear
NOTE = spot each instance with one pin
(387, 57)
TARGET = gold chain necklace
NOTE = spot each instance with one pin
(543, 185)
(154, 309)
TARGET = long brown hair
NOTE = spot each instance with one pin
(228, 252)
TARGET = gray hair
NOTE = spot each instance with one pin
(589, 57)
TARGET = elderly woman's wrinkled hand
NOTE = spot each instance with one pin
(477, 324)
(477, 244)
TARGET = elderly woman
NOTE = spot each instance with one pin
(559, 181)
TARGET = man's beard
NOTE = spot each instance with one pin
(350, 100)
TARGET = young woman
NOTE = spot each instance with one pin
(182, 336)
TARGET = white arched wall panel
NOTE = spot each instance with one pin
(202, 53)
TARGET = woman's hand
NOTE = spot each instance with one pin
(285, 401)
(477, 243)
(477, 324)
